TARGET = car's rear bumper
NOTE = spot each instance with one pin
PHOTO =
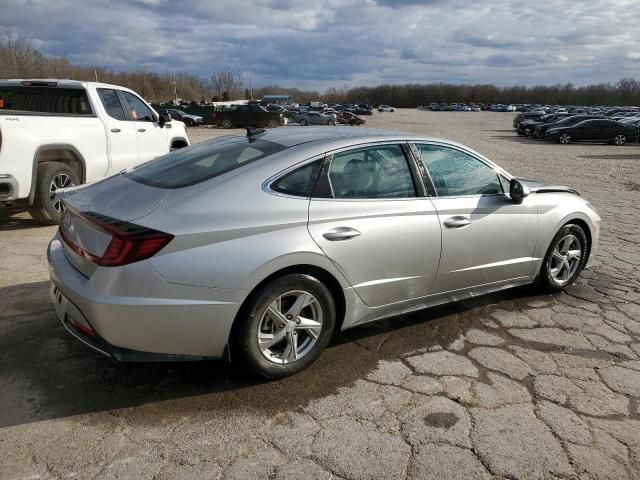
(134, 314)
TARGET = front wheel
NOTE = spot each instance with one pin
(565, 258)
(620, 139)
(286, 326)
(303, 122)
(564, 139)
(226, 123)
(331, 123)
(272, 124)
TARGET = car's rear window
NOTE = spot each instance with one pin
(52, 100)
(204, 161)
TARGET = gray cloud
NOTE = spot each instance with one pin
(322, 43)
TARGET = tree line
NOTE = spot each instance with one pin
(18, 59)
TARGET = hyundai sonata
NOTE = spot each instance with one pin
(259, 247)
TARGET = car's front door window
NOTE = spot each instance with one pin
(371, 172)
(137, 108)
(456, 173)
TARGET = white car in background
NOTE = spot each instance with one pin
(386, 108)
(60, 133)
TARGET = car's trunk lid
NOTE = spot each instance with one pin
(115, 198)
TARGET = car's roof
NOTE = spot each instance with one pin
(292, 136)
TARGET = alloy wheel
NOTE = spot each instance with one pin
(565, 260)
(565, 138)
(290, 327)
(619, 139)
(61, 180)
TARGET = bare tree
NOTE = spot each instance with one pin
(227, 84)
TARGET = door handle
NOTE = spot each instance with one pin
(456, 222)
(341, 233)
(116, 130)
(142, 130)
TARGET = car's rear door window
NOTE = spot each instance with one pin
(111, 103)
(202, 162)
(374, 172)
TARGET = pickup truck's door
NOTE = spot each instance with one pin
(152, 139)
(122, 138)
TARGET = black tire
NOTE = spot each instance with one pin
(331, 123)
(45, 209)
(245, 341)
(226, 123)
(619, 140)
(564, 139)
(188, 122)
(272, 124)
(304, 123)
(546, 280)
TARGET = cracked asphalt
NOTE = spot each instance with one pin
(518, 385)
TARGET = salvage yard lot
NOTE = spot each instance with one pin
(517, 384)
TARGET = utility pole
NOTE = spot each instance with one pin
(175, 90)
(250, 89)
(95, 72)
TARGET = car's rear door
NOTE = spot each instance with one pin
(486, 238)
(370, 217)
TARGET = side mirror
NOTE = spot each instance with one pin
(518, 190)
(165, 117)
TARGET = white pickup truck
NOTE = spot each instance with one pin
(59, 133)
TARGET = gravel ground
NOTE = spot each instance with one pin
(514, 385)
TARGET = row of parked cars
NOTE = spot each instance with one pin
(470, 107)
(615, 126)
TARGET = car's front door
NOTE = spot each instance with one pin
(367, 218)
(486, 237)
(152, 138)
(121, 133)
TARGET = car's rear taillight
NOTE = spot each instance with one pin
(129, 242)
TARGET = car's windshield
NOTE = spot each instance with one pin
(202, 162)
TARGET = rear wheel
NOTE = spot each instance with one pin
(304, 123)
(565, 258)
(52, 176)
(331, 123)
(564, 138)
(286, 326)
(226, 123)
(272, 124)
(620, 139)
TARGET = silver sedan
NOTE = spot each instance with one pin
(259, 247)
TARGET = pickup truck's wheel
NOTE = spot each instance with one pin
(52, 176)
(226, 123)
(272, 124)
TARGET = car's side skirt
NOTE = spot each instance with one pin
(363, 314)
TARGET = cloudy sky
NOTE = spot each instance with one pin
(323, 43)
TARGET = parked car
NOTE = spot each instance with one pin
(188, 119)
(528, 127)
(361, 111)
(60, 133)
(386, 108)
(541, 128)
(603, 130)
(243, 247)
(349, 118)
(252, 115)
(315, 118)
(535, 115)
